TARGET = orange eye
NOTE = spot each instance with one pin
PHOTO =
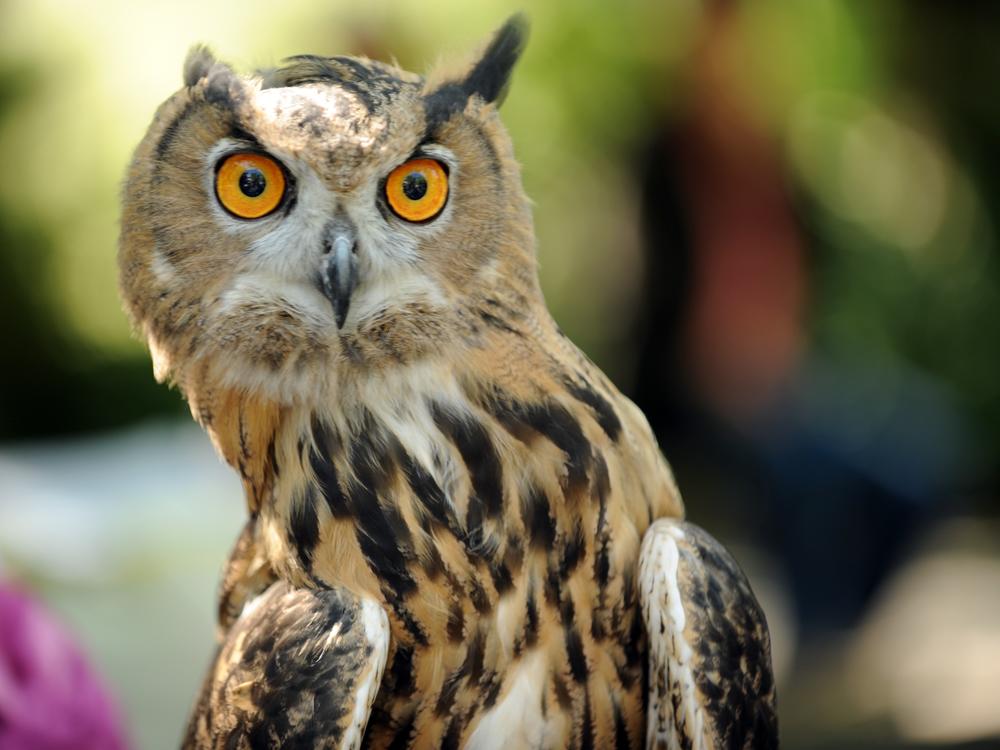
(417, 190)
(249, 185)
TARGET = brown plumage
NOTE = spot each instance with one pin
(417, 439)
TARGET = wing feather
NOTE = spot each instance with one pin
(710, 678)
(299, 668)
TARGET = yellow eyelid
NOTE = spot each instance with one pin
(428, 205)
(230, 193)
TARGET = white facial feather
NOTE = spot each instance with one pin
(288, 247)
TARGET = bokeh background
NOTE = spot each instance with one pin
(774, 224)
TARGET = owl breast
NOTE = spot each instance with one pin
(499, 535)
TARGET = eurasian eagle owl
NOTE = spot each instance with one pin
(460, 534)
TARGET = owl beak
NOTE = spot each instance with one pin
(339, 272)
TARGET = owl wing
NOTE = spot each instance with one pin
(710, 679)
(299, 668)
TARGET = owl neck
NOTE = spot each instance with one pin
(434, 428)
(494, 334)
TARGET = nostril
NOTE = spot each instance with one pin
(338, 232)
(341, 245)
(330, 246)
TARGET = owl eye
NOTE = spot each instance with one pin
(417, 190)
(249, 185)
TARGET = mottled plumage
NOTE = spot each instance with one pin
(302, 667)
(710, 674)
(415, 435)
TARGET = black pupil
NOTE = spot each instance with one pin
(415, 186)
(252, 182)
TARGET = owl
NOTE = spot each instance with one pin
(459, 533)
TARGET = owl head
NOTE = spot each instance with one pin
(332, 216)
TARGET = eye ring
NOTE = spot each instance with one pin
(250, 184)
(417, 190)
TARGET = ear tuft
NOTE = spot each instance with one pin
(490, 76)
(222, 86)
(197, 64)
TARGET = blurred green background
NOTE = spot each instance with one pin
(773, 223)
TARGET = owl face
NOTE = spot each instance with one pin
(332, 215)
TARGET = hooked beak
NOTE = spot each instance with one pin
(339, 272)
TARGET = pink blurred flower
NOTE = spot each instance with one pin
(50, 698)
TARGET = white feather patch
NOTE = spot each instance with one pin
(516, 720)
(670, 655)
(376, 628)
